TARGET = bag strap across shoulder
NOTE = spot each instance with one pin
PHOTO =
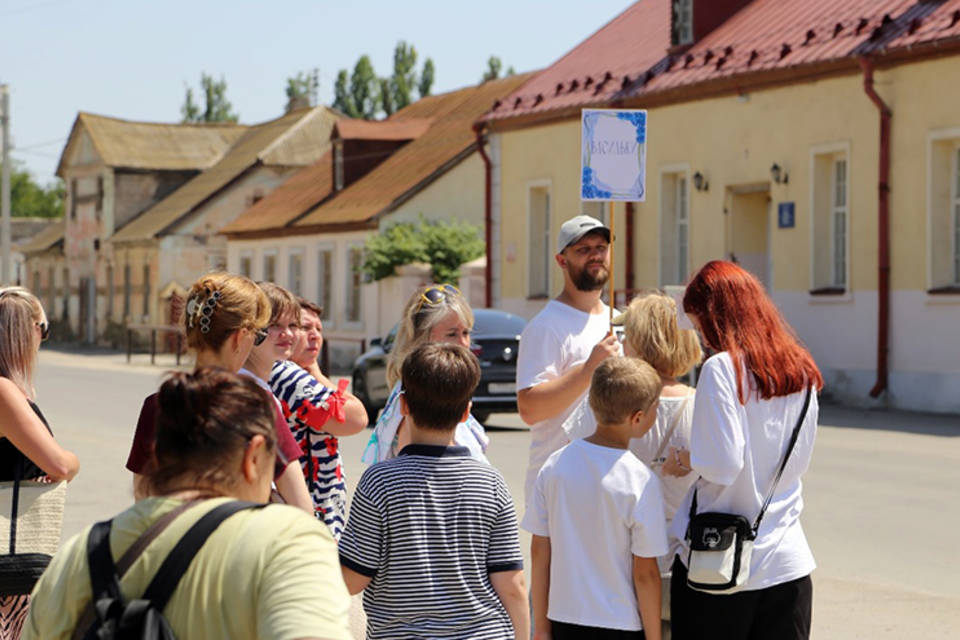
(776, 479)
(105, 575)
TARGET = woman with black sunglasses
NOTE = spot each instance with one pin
(225, 316)
(26, 441)
(434, 313)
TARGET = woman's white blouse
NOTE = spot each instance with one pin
(737, 450)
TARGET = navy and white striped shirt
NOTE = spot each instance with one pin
(428, 527)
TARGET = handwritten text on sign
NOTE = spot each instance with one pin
(613, 154)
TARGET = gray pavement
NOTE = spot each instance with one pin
(881, 510)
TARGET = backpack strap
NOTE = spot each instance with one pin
(178, 560)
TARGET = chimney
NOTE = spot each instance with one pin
(298, 102)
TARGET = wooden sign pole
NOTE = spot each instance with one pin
(613, 300)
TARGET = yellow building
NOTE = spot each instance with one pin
(765, 145)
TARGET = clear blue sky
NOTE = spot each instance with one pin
(133, 59)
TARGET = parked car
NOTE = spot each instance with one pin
(495, 342)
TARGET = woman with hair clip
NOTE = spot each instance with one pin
(434, 313)
(26, 441)
(265, 572)
(225, 316)
(750, 397)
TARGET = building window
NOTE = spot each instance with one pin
(269, 266)
(146, 290)
(338, 165)
(246, 265)
(540, 249)
(126, 292)
(682, 31)
(325, 282)
(73, 199)
(674, 228)
(838, 240)
(99, 196)
(352, 312)
(51, 291)
(65, 291)
(295, 272)
(831, 220)
(109, 292)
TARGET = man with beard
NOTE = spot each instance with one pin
(564, 343)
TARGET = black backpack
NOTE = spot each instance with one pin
(117, 618)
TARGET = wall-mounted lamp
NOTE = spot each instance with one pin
(779, 175)
(700, 182)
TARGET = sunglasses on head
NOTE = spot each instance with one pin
(259, 335)
(437, 294)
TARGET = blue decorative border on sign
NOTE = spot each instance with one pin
(591, 186)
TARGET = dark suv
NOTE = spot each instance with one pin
(495, 342)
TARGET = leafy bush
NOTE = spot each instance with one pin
(443, 245)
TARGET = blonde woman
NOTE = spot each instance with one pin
(26, 441)
(435, 313)
(225, 316)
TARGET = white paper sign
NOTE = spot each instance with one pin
(613, 158)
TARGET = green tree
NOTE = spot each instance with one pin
(443, 245)
(494, 66)
(364, 88)
(216, 106)
(31, 200)
(342, 100)
(386, 97)
(302, 85)
(404, 77)
(426, 78)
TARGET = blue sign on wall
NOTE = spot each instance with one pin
(785, 215)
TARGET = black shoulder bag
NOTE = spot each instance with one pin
(721, 543)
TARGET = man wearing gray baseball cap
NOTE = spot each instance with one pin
(563, 344)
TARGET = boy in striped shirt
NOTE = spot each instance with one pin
(432, 534)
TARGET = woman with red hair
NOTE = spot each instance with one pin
(750, 396)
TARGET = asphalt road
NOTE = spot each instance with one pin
(881, 512)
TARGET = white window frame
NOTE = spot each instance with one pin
(678, 171)
(831, 149)
(248, 256)
(295, 252)
(838, 250)
(936, 137)
(327, 302)
(955, 212)
(268, 253)
(549, 240)
(348, 283)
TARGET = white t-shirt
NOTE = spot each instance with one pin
(558, 338)
(599, 506)
(671, 410)
(738, 449)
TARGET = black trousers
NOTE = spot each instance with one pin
(566, 631)
(780, 612)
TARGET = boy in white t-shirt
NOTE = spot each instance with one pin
(596, 515)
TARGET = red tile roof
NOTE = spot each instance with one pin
(407, 129)
(595, 70)
(766, 38)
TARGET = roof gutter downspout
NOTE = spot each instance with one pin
(487, 215)
(883, 227)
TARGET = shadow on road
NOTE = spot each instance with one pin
(931, 424)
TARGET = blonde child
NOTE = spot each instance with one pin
(596, 515)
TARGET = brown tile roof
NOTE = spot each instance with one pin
(449, 138)
(150, 145)
(406, 129)
(44, 240)
(594, 71)
(297, 195)
(275, 140)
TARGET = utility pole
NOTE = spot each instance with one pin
(6, 270)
